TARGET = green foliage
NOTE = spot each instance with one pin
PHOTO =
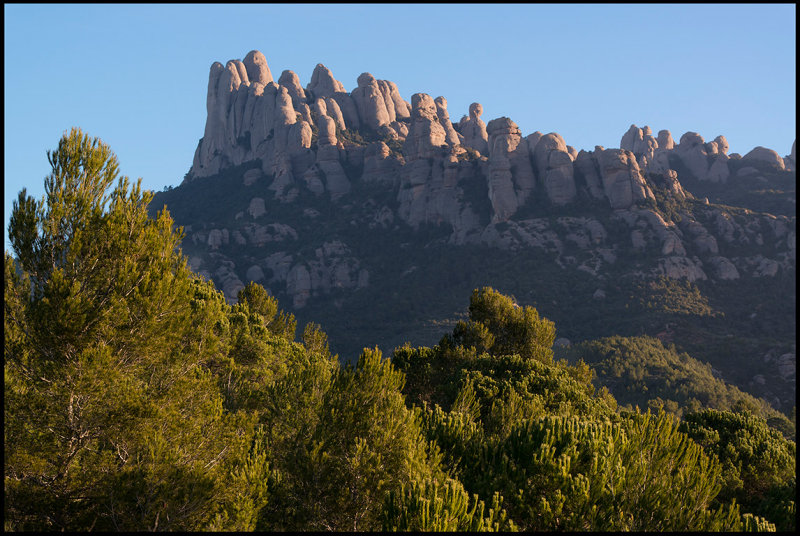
(429, 507)
(360, 443)
(250, 488)
(759, 465)
(779, 505)
(670, 207)
(469, 155)
(558, 453)
(569, 474)
(113, 421)
(352, 136)
(501, 327)
(255, 298)
(673, 296)
(394, 145)
(643, 372)
(315, 340)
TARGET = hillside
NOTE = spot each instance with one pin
(373, 216)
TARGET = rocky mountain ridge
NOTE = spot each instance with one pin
(334, 200)
(301, 139)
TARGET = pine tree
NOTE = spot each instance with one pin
(501, 327)
(113, 420)
(431, 507)
(360, 442)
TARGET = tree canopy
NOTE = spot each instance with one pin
(136, 398)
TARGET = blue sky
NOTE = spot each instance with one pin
(136, 75)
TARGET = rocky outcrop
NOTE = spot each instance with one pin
(790, 160)
(452, 137)
(296, 135)
(705, 161)
(724, 268)
(426, 136)
(622, 179)
(332, 268)
(381, 165)
(765, 156)
(722, 144)
(640, 142)
(332, 173)
(588, 174)
(473, 129)
(511, 179)
(693, 154)
(372, 109)
(665, 140)
(326, 124)
(554, 169)
(291, 82)
(257, 207)
(323, 84)
(227, 280)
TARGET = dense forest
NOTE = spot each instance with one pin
(137, 398)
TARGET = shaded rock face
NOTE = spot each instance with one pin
(332, 267)
(790, 160)
(588, 174)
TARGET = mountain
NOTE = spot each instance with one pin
(374, 216)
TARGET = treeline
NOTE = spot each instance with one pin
(136, 398)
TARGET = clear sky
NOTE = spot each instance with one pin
(136, 75)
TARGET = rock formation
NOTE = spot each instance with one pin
(554, 168)
(474, 129)
(474, 177)
(767, 156)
